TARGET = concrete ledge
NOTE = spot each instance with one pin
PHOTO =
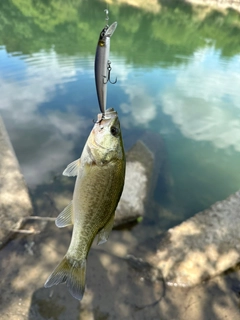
(15, 202)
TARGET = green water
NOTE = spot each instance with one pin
(178, 76)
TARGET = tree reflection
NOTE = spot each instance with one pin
(144, 38)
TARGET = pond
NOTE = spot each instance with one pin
(178, 75)
(177, 69)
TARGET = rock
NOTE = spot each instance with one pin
(143, 164)
(15, 202)
(116, 288)
(201, 247)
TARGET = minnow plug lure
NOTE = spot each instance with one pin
(103, 64)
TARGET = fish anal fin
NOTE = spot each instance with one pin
(72, 168)
(104, 233)
(71, 271)
(65, 218)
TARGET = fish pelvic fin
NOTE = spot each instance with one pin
(73, 273)
(104, 233)
(65, 218)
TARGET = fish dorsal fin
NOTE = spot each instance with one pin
(65, 218)
(104, 233)
(72, 168)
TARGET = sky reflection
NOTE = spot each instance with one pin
(204, 102)
(49, 100)
(43, 141)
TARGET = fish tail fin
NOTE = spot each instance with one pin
(71, 271)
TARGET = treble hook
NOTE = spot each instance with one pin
(109, 68)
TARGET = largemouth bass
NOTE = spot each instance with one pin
(103, 64)
(100, 178)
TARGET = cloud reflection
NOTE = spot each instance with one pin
(41, 139)
(205, 101)
(141, 106)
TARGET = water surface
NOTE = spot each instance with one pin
(178, 76)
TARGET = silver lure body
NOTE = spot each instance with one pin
(102, 64)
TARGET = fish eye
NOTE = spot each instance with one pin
(114, 131)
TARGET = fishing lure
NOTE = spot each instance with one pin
(103, 64)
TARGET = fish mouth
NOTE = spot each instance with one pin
(107, 115)
(105, 120)
(110, 110)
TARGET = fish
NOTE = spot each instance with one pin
(100, 178)
(103, 64)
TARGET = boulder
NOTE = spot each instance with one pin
(201, 247)
(15, 203)
(116, 287)
(144, 162)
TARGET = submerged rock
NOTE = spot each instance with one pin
(15, 203)
(143, 164)
(203, 246)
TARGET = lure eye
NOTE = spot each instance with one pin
(114, 131)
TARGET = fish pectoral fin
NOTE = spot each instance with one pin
(104, 233)
(65, 218)
(72, 168)
(71, 271)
